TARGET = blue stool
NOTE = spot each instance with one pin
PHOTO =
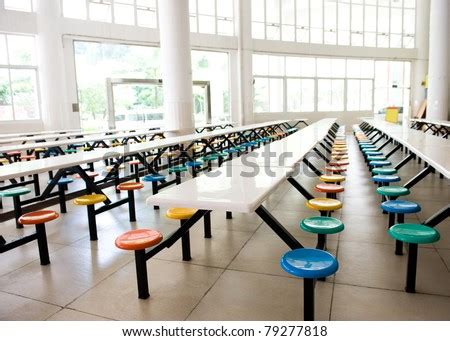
(373, 164)
(398, 208)
(385, 180)
(374, 153)
(154, 179)
(194, 165)
(62, 186)
(309, 264)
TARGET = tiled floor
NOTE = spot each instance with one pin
(236, 274)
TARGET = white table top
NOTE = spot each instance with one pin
(17, 169)
(224, 189)
(289, 151)
(432, 149)
(42, 132)
(238, 187)
(68, 135)
(436, 122)
(65, 142)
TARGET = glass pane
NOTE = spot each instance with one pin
(337, 95)
(18, 5)
(6, 112)
(396, 20)
(207, 7)
(260, 64)
(353, 68)
(383, 40)
(276, 66)
(381, 74)
(367, 68)
(303, 13)
(206, 24)
(330, 13)
(288, 33)
(338, 68)
(329, 38)
(25, 99)
(353, 95)
(74, 9)
(316, 13)
(409, 21)
(261, 95)
(357, 39)
(147, 18)
(344, 38)
(370, 39)
(225, 27)
(276, 95)
(370, 19)
(407, 74)
(100, 10)
(123, 14)
(324, 95)
(396, 74)
(344, 17)
(323, 67)
(396, 40)
(293, 66)
(3, 56)
(316, 36)
(273, 32)
(308, 67)
(21, 50)
(381, 99)
(366, 95)
(288, 12)
(357, 18)
(383, 19)
(307, 92)
(293, 95)
(303, 35)
(193, 23)
(193, 6)
(409, 3)
(257, 11)
(225, 8)
(273, 11)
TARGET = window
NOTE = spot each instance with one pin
(308, 84)
(124, 12)
(212, 16)
(370, 23)
(19, 99)
(20, 5)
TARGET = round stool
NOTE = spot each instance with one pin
(130, 187)
(39, 218)
(322, 226)
(89, 201)
(183, 214)
(330, 189)
(137, 241)
(15, 194)
(384, 171)
(178, 170)
(413, 234)
(398, 209)
(337, 179)
(154, 179)
(62, 186)
(309, 264)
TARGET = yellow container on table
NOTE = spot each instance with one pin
(392, 114)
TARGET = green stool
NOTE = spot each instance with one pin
(322, 226)
(413, 234)
(15, 193)
(384, 171)
(392, 192)
(178, 170)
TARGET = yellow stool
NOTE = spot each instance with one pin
(89, 201)
(335, 178)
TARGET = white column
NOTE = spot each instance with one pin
(420, 65)
(176, 65)
(438, 69)
(54, 106)
(245, 63)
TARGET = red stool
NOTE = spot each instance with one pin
(130, 187)
(331, 190)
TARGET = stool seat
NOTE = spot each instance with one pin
(384, 171)
(134, 162)
(110, 168)
(329, 188)
(376, 158)
(332, 178)
(177, 169)
(14, 192)
(69, 151)
(193, 164)
(38, 217)
(89, 174)
(154, 177)
(180, 213)
(322, 225)
(28, 157)
(130, 186)
(393, 191)
(13, 153)
(335, 169)
(380, 163)
(4, 161)
(374, 153)
(414, 233)
(339, 163)
(89, 199)
(40, 150)
(324, 204)
(221, 154)
(386, 178)
(62, 181)
(400, 206)
(309, 263)
(139, 239)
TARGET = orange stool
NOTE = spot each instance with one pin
(130, 187)
(39, 218)
(137, 241)
(331, 190)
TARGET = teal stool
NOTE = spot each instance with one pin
(15, 193)
(374, 153)
(413, 235)
(62, 186)
(309, 264)
(384, 171)
(209, 159)
(194, 165)
(322, 226)
(376, 157)
(398, 209)
(373, 164)
(178, 170)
